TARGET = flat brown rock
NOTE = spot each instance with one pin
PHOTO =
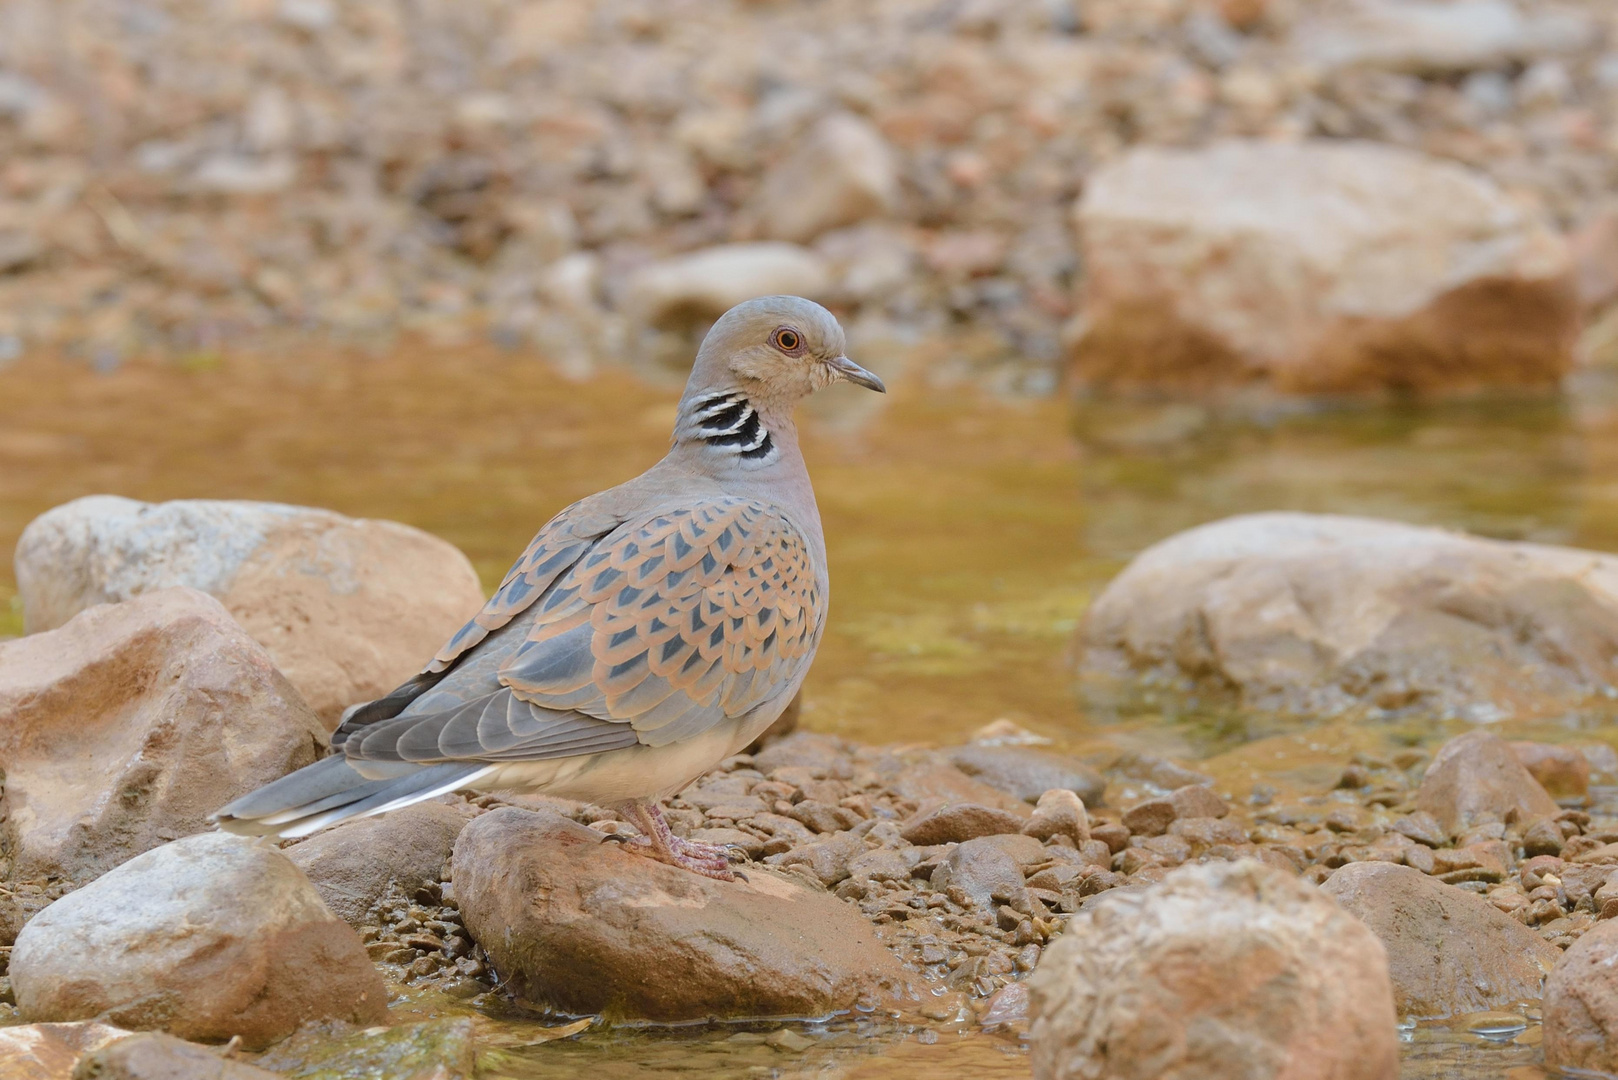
(1224, 971)
(1027, 773)
(584, 926)
(1450, 952)
(955, 822)
(925, 784)
(1476, 777)
(127, 727)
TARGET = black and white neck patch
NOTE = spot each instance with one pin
(728, 421)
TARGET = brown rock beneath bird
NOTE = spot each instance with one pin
(579, 924)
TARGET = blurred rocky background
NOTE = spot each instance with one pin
(994, 190)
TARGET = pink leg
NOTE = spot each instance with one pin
(659, 843)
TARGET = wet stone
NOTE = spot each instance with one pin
(1423, 828)
(956, 822)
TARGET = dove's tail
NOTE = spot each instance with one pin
(332, 790)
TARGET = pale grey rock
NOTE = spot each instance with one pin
(206, 938)
(1320, 613)
(1433, 36)
(702, 285)
(348, 608)
(1224, 971)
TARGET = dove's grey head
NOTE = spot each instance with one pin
(760, 359)
(776, 350)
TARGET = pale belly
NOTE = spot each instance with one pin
(615, 777)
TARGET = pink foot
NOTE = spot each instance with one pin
(658, 842)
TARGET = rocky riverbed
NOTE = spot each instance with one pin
(959, 883)
(993, 191)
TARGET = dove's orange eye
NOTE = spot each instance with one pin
(788, 340)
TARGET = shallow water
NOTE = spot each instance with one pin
(966, 535)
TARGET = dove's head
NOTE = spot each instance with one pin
(776, 350)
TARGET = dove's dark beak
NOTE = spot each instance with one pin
(848, 370)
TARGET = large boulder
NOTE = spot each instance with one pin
(357, 864)
(840, 172)
(1432, 36)
(127, 727)
(1224, 971)
(1321, 266)
(1581, 1004)
(206, 938)
(1476, 778)
(1450, 952)
(1319, 613)
(582, 925)
(347, 608)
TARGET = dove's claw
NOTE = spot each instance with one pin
(657, 841)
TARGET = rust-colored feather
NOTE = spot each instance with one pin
(716, 604)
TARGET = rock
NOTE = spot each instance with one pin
(1421, 827)
(444, 1049)
(1474, 778)
(1165, 775)
(128, 726)
(841, 172)
(1581, 1003)
(348, 608)
(823, 755)
(1197, 801)
(151, 1055)
(1309, 266)
(954, 822)
(695, 289)
(1224, 971)
(982, 874)
(1150, 818)
(354, 865)
(1028, 774)
(48, 1051)
(1319, 613)
(206, 938)
(828, 861)
(586, 927)
(1563, 771)
(1059, 812)
(1595, 255)
(1450, 952)
(925, 784)
(1432, 36)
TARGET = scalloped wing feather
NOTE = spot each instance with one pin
(560, 544)
(694, 615)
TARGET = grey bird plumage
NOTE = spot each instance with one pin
(647, 632)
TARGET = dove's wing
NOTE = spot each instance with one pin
(561, 543)
(657, 632)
